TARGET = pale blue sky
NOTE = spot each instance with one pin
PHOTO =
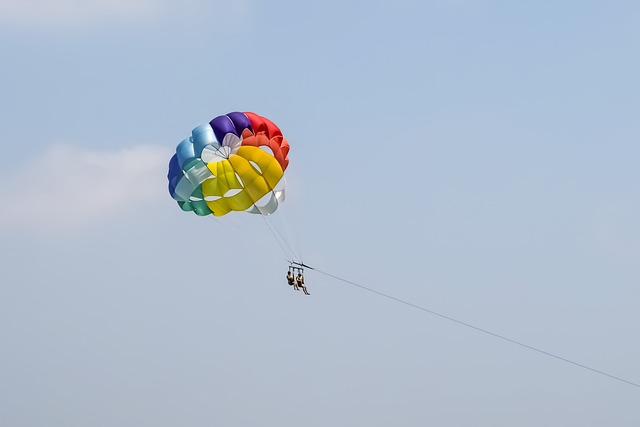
(477, 158)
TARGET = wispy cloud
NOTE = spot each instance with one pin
(45, 15)
(69, 187)
(76, 13)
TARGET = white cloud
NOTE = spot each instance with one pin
(82, 14)
(67, 187)
(75, 13)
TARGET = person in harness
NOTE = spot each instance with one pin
(291, 280)
(300, 283)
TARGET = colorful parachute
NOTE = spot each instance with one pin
(236, 162)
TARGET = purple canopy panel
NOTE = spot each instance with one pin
(223, 125)
(240, 121)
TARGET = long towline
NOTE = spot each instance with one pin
(485, 331)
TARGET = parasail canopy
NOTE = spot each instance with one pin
(236, 162)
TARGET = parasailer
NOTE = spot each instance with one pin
(234, 163)
(297, 281)
(291, 280)
(300, 283)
